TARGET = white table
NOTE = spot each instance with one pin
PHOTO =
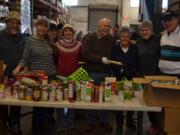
(136, 104)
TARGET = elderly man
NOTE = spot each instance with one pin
(96, 52)
(11, 49)
(169, 63)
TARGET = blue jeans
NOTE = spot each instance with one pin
(91, 116)
(62, 118)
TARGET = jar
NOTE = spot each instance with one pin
(21, 94)
(36, 92)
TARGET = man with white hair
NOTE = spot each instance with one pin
(96, 52)
(11, 49)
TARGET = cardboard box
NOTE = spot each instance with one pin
(172, 120)
(160, 94)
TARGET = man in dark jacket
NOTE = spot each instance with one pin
(11, 49)
(96, 52)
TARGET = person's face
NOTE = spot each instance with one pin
(68, 33)
(171, 24)
(41, 30)
(145, 32)
(13, 27)
(115, 28)
(124, 38)
(104, 28)
(52, 34)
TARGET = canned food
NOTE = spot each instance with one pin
(44, 94)
(8, 92)
(2, 88)
(15, 92)
(59, 93)
(28, 94)
(52, 96)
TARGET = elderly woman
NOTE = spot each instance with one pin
(125, 52)
(148, 47)
(68, 54)
(38, 55)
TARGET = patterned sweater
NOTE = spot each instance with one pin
(68, 55)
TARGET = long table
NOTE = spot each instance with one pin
(135, 104)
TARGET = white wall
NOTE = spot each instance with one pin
(124, 9)
(133, 16)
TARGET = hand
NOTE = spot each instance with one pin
(17, 69)
(105, 60)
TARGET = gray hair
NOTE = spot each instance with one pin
(124, 29)
(146, 24)
(104, 19)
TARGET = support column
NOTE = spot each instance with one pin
(125, 12)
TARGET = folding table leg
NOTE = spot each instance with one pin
(140, 123)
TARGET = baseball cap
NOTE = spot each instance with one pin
(168, 15)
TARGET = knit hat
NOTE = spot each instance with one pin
(13, 15)
(68, 26)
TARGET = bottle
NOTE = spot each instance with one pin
(83, 89)
(71, 90)
(78, 91)
(88, 92)
(107, 94)
(101, 89)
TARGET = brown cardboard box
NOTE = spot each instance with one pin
(163, 95)
(172, 120)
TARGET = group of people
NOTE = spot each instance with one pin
(150, 55)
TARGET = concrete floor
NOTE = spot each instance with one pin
(80, 126)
